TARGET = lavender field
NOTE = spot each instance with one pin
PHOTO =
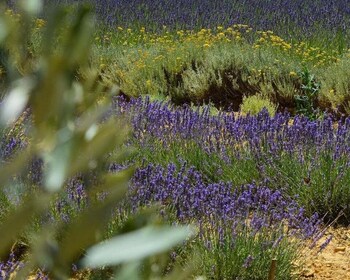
(173, 139)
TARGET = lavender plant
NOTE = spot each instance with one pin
(12, 265)
(270, 149)
(292, 19)
(241, 229)
(9, 266)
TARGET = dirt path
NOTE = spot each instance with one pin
(334, 261)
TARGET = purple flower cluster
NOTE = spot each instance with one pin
(303, 157)
(72, 202)
(264, 135)
(8, 147)
(35, 172)
(76, 192)
(8, 267)
(291, 18)
(190, 198)
(248, 261)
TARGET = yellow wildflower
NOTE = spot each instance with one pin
(39, 23)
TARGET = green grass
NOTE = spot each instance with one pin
(235, 168)
(246, 256)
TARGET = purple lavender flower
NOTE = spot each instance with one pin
(76, 193)
(9, 266)
(292, 19)
(325, 243)
(248, 261)
(40, 275)
(191, 198)
(9, 147)
(267, 141)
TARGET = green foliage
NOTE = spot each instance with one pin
(254, 104)
(335, 91)
(213, 166)
(246, 256)
(69, 132)
(222, 74)
(305, 104)
(319, 182)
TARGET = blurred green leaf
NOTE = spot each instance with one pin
(91, 118)
(134, 246)
(15, 101)
(9, 169)
(70, 133)
(32, 7)
(87, 229)
(51, 33)
(78, 37)
(129, 271)
(43, 248)
(57, 163)
(110, 135)
(113, 181)
(3, 30)
(15, 223)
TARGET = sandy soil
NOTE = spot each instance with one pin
(334, 261)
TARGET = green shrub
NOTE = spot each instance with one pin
(335, 90)
(254, 104)
(305, 103)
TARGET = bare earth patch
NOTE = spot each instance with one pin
(334, 261)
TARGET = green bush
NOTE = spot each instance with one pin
(335, 90)
(254, 104)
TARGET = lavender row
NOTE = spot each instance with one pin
(293, 18)
(221, 133)
(217, 204)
